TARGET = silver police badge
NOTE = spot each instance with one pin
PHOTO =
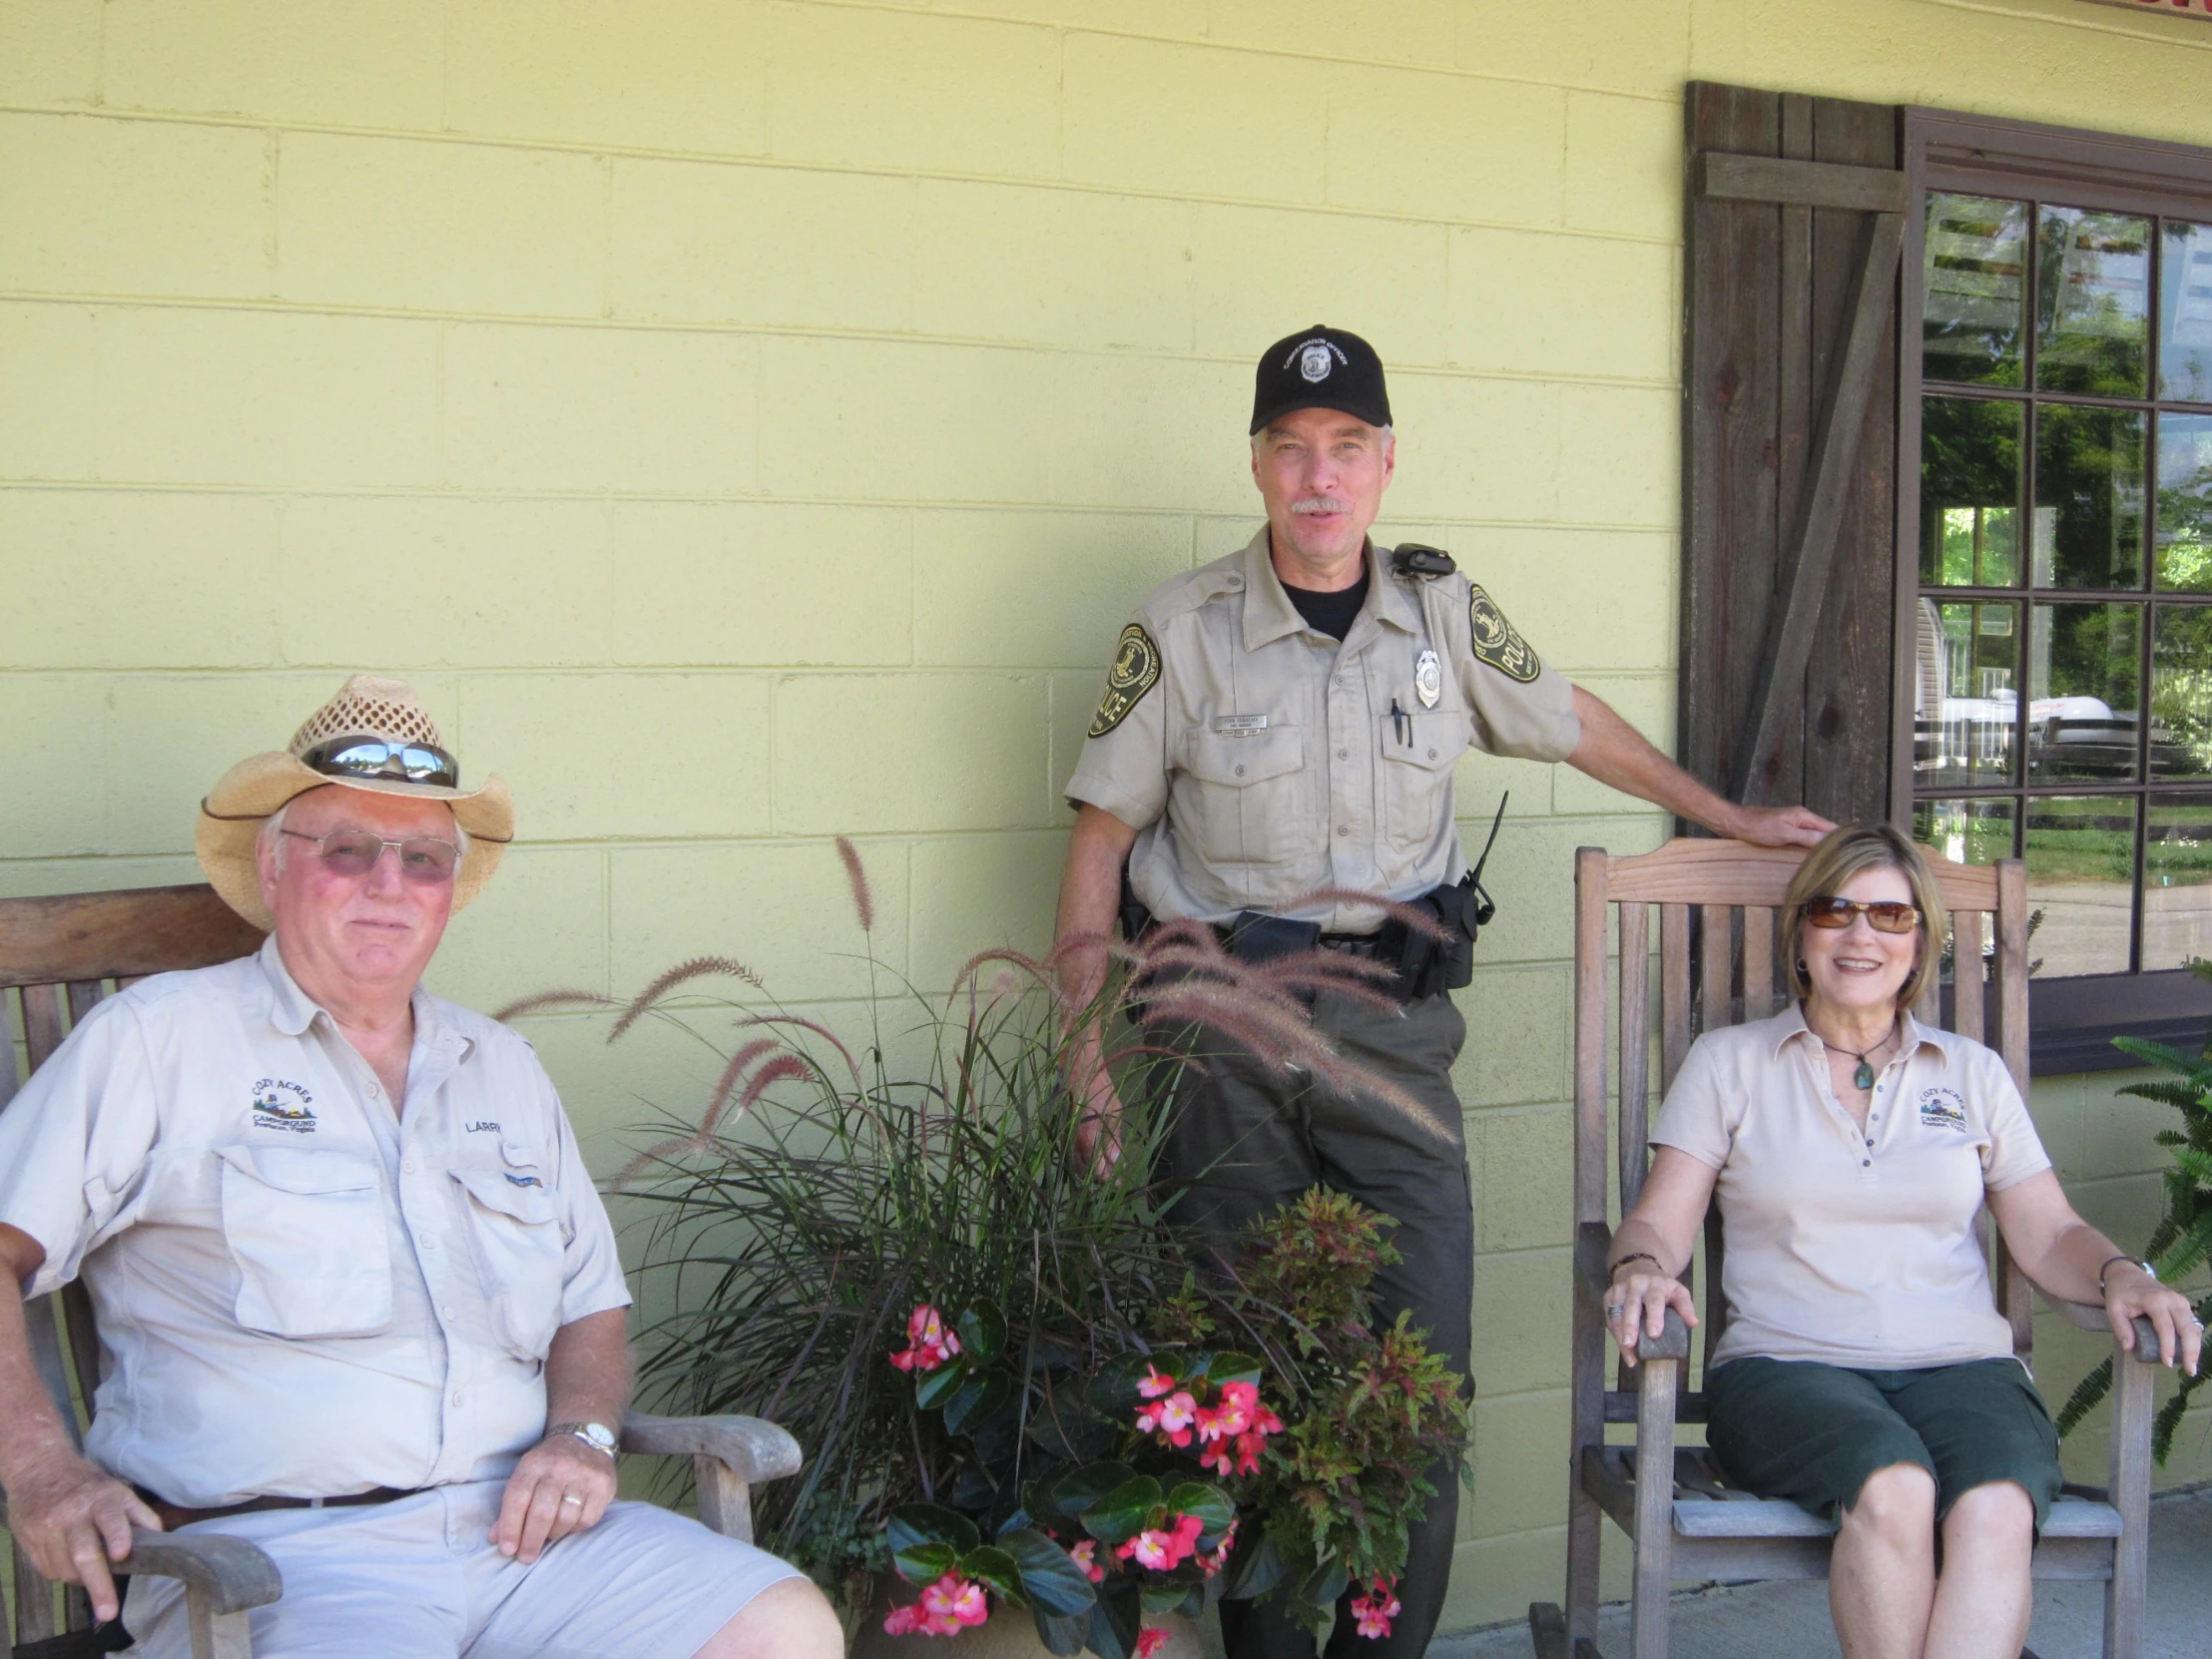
(1428, 680)
(1313, 361)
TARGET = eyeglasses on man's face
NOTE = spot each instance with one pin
(424, 859)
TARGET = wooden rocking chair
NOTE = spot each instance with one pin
(60, 956)
(1718, 902)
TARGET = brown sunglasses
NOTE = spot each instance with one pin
(1884, 916)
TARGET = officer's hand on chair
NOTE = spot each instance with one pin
(73, 1521)
(1636, 1307)
(562, 1486)
(1780, 826)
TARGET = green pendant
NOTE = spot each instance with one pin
(1863, 1076)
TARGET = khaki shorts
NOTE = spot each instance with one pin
(418, 1579)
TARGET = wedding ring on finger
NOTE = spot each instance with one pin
(573, 1498)
(1613, 1310)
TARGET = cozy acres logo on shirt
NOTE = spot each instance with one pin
(1942, 1108)
(282, 1105)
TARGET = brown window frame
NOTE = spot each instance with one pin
(2073, 1021)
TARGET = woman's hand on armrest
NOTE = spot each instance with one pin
(1655, 1240)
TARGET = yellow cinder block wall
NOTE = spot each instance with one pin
(750, 420)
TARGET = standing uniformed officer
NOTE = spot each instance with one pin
(1284, 721)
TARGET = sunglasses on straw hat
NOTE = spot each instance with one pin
(367, 757)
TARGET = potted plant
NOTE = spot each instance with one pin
(1020, 1393)
(2182, 1239)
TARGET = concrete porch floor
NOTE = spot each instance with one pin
(1790, 1620)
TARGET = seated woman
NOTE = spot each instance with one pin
(1865, 1372)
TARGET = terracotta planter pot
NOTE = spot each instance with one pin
(1012, 1634)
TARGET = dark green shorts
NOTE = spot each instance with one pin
(1812, 1434)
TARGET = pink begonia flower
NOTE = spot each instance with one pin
(1213, 1563)
(905, 1621)
(1171, 1418)
(929, 1342)
(952, 1604)
(1373, 1612)
(1156, 1382)
(1083, 1555)
(1150, 1641)
(1216, 1461)
(1165, 1549)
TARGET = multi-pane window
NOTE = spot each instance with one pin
(2062, 670)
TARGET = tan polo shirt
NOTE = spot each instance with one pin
(1856, 1249)
(301, 1292)
(1261, 762)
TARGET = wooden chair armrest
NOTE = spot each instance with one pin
(2090, 1315)
(1591, 1248)
(232, 1573)
(754, 1448)
(1672, 1343)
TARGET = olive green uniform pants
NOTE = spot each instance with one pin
(1243, 1139)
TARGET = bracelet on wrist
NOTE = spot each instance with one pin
(2131, 1261)
(1633, 1256)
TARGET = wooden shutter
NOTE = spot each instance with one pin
(1795, 221)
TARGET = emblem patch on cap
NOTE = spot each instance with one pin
(1496, 641)
(1314, 363)
(1136, 670)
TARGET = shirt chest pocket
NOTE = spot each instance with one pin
(514, 1234)
(309, 1234)
(1250, 809)
(1419, 753)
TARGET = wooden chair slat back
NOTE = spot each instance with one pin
(58, 958)
(1722, 961)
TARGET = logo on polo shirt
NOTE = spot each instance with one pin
(282, 1105)
(1942, 1108)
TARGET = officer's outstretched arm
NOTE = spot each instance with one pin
(1090, 902)
(1616, 754)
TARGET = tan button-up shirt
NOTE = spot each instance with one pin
(299, 1291)
(1261, 762)
(1852, 1246)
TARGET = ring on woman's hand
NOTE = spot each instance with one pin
(572, 1498)
(1614, 1310)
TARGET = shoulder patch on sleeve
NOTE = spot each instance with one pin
(1136, 670)
(1496, 641)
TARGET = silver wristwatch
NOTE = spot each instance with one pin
(594, 1435)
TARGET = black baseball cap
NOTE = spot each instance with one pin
(1320, 369)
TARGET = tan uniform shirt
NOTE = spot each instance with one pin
(301, 1292)
(1260, 761)
(1855, 1248)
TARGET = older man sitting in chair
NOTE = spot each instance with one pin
(359, 1301)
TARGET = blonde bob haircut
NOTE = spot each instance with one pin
(1852, 851)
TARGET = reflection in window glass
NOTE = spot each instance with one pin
(2181, 691)
(1966, 832)
(2081, 876)
(1966, 674)
(1976, 267)
(2185, 315)
(2177, 881)
(2088, 497)
(2093, 303)
(2084, 700)
(2185, 502)
(1969, 492)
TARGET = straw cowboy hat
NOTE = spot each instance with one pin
(376, 735)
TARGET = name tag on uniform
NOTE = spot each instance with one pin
(1239, 726)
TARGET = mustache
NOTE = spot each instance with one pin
(1322, 505)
